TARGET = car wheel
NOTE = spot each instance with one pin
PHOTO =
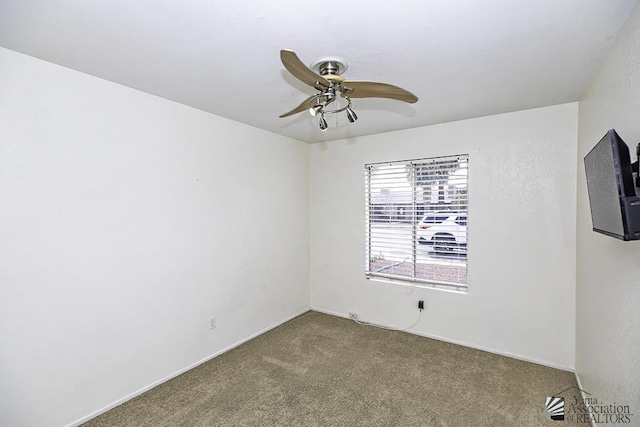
(444, 243)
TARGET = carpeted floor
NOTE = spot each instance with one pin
(321, 370)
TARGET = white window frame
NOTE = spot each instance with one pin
(395, 205)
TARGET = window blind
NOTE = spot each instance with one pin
(417, 220)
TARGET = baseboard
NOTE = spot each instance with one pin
(470, 345)
(180, 372)
(331, 313)
(584, 398)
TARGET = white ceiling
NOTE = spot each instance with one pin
(462, 58)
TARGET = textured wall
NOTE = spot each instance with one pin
(608, 270)
(126, 221)
(521, 233)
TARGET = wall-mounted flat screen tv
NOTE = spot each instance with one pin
(615, 207)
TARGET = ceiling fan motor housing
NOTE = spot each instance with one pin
(329, 66)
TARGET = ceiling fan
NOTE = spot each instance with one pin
(325, 76)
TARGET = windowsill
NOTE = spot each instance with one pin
(435, 286)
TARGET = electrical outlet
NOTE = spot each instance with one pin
(212, 322)
(353, 315)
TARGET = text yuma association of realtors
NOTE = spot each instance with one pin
(591, 410)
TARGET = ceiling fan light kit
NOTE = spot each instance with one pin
(324, 75)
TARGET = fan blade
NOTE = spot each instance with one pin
(300, 71)
(376, 90)
(302, 107)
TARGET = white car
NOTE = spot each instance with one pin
(445, 231)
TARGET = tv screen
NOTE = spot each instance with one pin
(615, 208)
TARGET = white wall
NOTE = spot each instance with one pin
(608, 270)
(126, 221)
(521, 273)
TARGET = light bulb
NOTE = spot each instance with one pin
(315, 109)
(323, 123)
(351, 115)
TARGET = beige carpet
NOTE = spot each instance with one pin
(321, 370)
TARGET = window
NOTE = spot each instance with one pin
(416, 215)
